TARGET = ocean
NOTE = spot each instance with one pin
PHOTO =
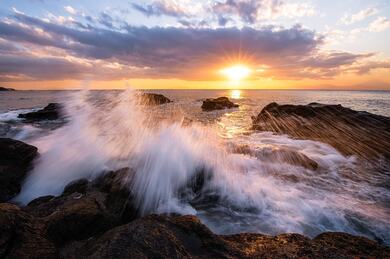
(167, 144)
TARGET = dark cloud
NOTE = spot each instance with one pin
(245, 9)
(163, 52)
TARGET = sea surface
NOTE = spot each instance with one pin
(169, 144)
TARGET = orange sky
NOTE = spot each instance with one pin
(167, 44)
(378, 80)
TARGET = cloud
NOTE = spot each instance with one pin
(70, 9)
(221, 12)
(359, 16)
(251, 11)
(51, 50)
(163, 7)
(380, 24)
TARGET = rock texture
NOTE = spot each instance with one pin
(351, 132)
(160, 236)
(15, 161)
(97, 219)
(154, 99)
(219, 103)
(51, 112)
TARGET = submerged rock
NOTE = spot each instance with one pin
(219, 103)
(351, 132)
(51, 112)
(278, 155)
(154, 99)
(15, 160)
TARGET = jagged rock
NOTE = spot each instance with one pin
(351, 132)
(326, 245)
(158, 237)
(23, 236)
(86, 208)
(218, 104)
(154, 99)
(15, 161)
(79, 186)
(79, 218)
(161, 236)
(6, 89)
(51, 112)
(81, 229)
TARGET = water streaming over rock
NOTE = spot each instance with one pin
(234, 180)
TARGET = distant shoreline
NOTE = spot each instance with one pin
(188, 89)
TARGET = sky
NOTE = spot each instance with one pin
(160, 44)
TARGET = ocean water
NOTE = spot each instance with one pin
(168, 145)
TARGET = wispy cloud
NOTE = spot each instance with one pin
(359, 16)
(164, 7)
(247, 12)
(379, 24)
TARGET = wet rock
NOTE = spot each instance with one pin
(326, 245)
(157, 236)
(219, 103)
(86, 208)
(278, 155)
(347, 246)
(79, 186)
(51, 112)
(15, 160)
(161, 236)
(78, 219)
(351, 132)
(288, 156)
(154, 99)
(23, 236)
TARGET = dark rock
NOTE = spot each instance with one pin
(348, 246)
(158, 237)
(15, 161)
(86, 208)
(326, 245)
(51, 112)
(218, 104)
(6, 89)
(349, 131)
(154, 99)
(22, 236)
(79, 186)
(78, 218)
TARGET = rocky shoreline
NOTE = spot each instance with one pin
(351, 132)
(96, 218)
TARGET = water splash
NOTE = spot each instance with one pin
(308, 187)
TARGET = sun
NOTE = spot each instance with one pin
(236, 73)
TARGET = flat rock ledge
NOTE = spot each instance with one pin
(219, 103)
(351, 132)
